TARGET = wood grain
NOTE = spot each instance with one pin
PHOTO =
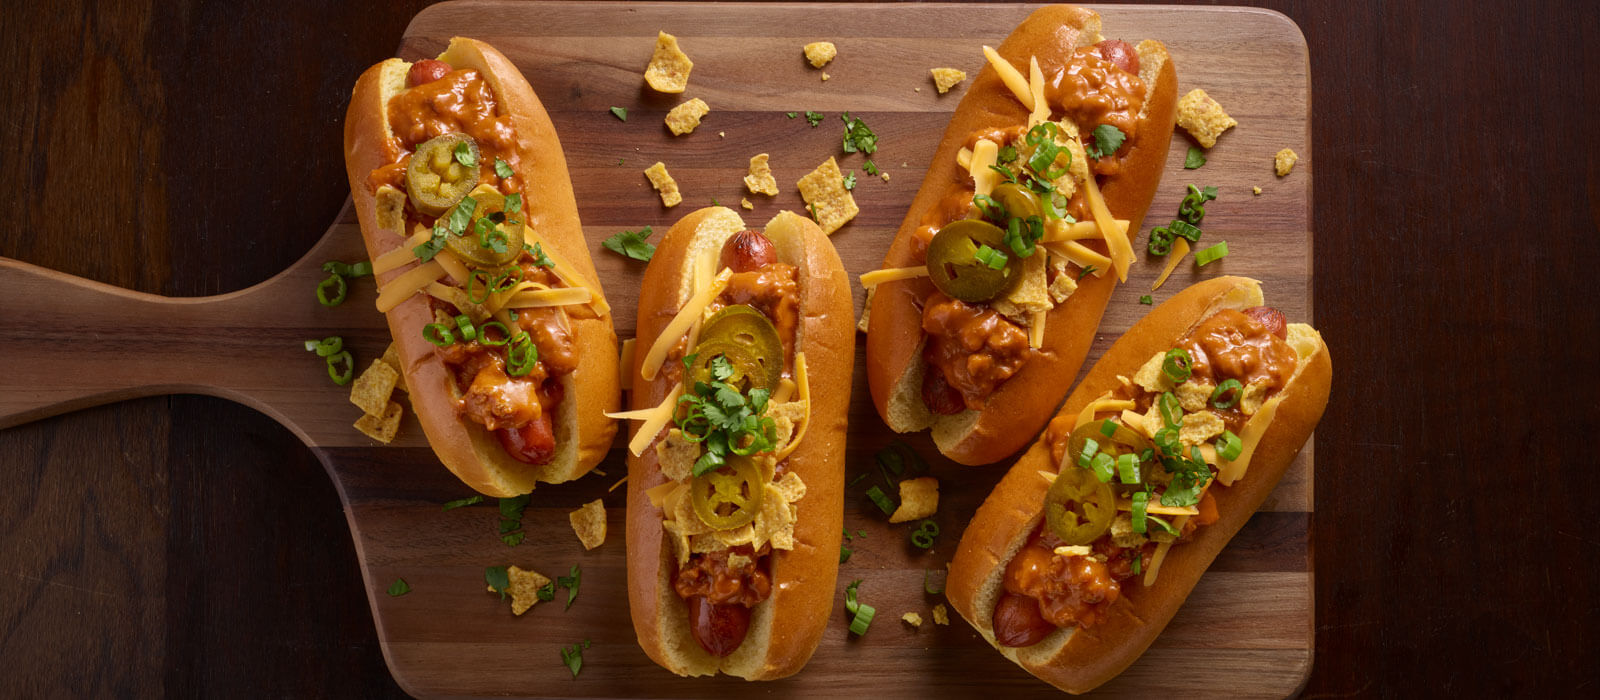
(448, 637)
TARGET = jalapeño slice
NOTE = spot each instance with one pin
(435, 180)
(955, 269)
(1078, 508)
(728, 496)
(486, 240)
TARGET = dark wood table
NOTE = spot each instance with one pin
(190, 546)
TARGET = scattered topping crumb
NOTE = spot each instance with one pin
(1203, 118)
(820, 52)
(946, 78)
(1284, 162)
(830, 204)
(760, 179)
(669, 66)
(686, 116)
(663, 182)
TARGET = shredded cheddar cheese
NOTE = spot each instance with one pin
(687, 316)
(1010, 76)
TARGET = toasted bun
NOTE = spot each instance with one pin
(1019, 408)
(583, 433)
(1079, 660)
(784, 629)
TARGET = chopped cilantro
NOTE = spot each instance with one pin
(620, 113)
(1007, 155)
(539, 258)
(813, 118)
(573, 657)
(722, 418)
(857, 137)
(547, 592)
(879, 499)
(850, 181)
(1194, 159)
(399, 588)
(793, 114)
(1146, 300)
(513, 539)
(871, 168)
(498, 579)
(458, 503)
(1107, 139)
(631, 244)
(570, 582)
(844, 553)
(1086, 272)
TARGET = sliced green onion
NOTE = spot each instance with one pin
(438, 334)
(844, 553)
(1160, 241)
(1229, 446)
(1108, 428)
(506, 281)
(880, 500)
(927, 586)
(1103, 465)
(991, 257)
(1212, 254)
(922, 540)
(341, 376)
(1186, 230)
(483, 334)
(1090, 447)
(864, 615)
(1128, 468)
(331, 291)
(1171, 411)
(1176, 365)
(1232, 388)
(1141, 501)
(468, 332)
(522, 356)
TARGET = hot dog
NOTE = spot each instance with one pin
(1094, 538)
(994, 285)
(504, 334)
(745, 345)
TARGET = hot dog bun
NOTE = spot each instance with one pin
(785, 628)
(1079, 660)
(582, 432)
(1018, 409)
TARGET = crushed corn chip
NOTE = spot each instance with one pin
(946, 78)
(589, 522)
(825, 76)
(669, 65)
(1283, 163)
(744, 202)
(820, 52)
(941, 614)
(1256, 190)
(912, 619)
(685, 117)
(760, 179)
(391, 357)
(381, 428)
(919, 498)
(524, 588)
(1203, 118)
(663, 182)
(830, 203)
(371, 390)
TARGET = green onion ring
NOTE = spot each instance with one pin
(341, 377)
(340, 289)
(1231, 385)
(438, 334)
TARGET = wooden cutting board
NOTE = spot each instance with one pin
(1247, 628)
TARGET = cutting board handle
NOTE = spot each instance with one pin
(72, 343)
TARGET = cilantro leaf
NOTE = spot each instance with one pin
(570, 582)
(503, 169)
(547, 592)
(1107, 139)
(850, 181)
(573, 657)
(793, 114)
(539, 258)
(1007, 155)
(813, 118)
(513, 539)
(631, 244)
(511, 508)
(498, 579)
(857, 137)
(1194, 159)
(871, 168)
(620, 113)
(399, 588)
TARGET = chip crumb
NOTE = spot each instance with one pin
(912, 619)
(722, 134)
(371, 390)
(825, 76)
(885, 176)
(941, 614)
(686, 116)
(1284, 162)
(381, 428)
(589, 522)
(830, 204)
(919, 498)
(523, 589)
(916, 89)
(1203, 117)
(391, 357)
(820, 52)
(1256, 190)
(946, 78)
(663, 182)
(760, 179)
(669, 66)
(745, 203)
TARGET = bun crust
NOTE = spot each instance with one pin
(784, 629)
(1079, 660)
(1019, 408)
(583, 433)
